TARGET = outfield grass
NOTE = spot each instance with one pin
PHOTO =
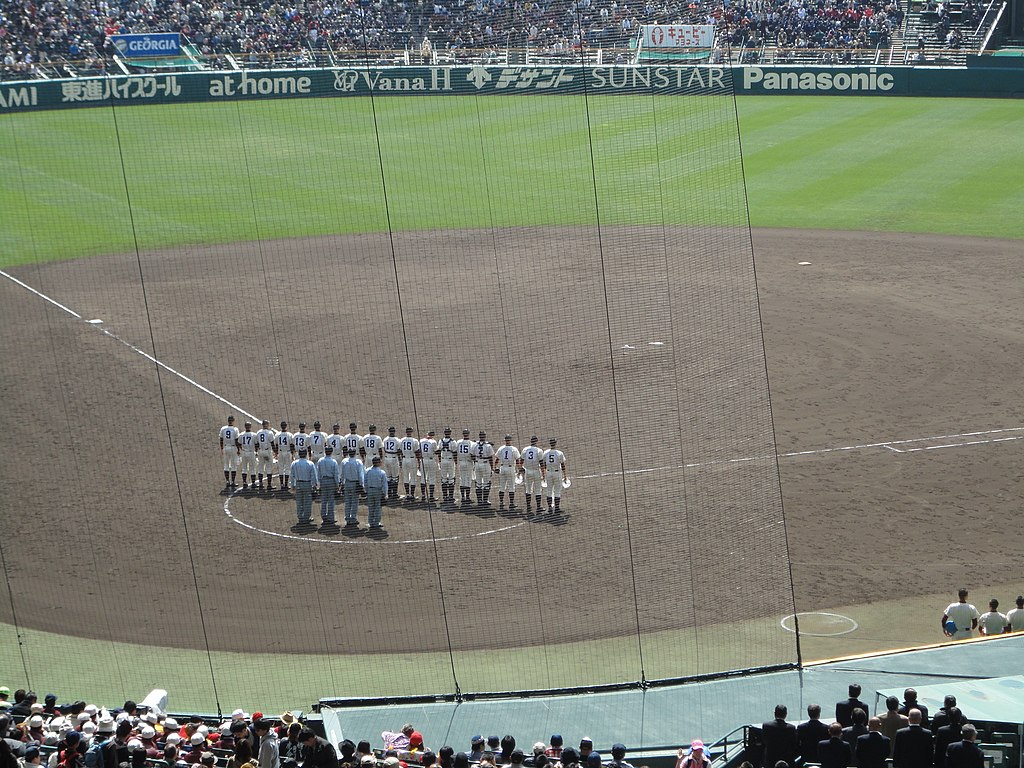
(205, 173)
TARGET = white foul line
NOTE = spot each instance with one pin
(132, 347)
(817, 451)
(887, 444)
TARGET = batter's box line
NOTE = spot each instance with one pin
(889, 445)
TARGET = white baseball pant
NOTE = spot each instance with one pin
(531, 482)
(506, 479)
(247, 464)
(409, 470)
(429, 472)
(230, 458)
(265, 462)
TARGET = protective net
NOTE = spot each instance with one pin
(575, 267)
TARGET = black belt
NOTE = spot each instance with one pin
(391, 453)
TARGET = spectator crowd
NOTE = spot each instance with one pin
(50, 32)
(80, 735)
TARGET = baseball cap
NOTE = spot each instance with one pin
(586, 741)
(594, 758)
(553, 441)
(197, 739)
(556, 740)
(465, 431)
(477, 740)
(618, 750)
(316, 424)
(5, 690)
(284, 424)
(408, 430)
(31, 753)
(231, 418)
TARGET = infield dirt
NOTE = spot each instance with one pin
(882, 338)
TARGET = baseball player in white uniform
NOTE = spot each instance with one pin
(483, 467)
(337, 443)
(464, 451)
(229, 450)
(446, 451)
(317, 443)
(265, 454)
(410, 450)
(392, 466)
(354, 442)
(247, 451)
(554, 472)
(283, 454)
(532, 475)
(300, 441)
(428, 467)
(507, 459)
(373, 445)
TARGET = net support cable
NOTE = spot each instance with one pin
(163, 405)
(405, 344)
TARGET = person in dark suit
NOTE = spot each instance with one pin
(946, 735)
(808, 734)
(913, 745)
(910, 702)
(873, 746)
(942, 716)
(833, 752)
(844, 709)
(855, 731)
(779, 739)
(965, 753)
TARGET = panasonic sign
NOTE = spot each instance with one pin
(868, 80)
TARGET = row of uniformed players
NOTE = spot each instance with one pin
(408, 460)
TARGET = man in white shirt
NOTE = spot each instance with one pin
(446, 451)
(283, 454)
(353, 441)
(553, 461)
(409, 447)
(428, 465)
(507, 459)
(337, 443)
(963, 615)
(532, 475)
(247, 452)
(229, 450)
(1016, 616)
(463, 450)
(372, 446)
(317, 443)
(265, 455)
(993, 622)
(392, 464)
(483, 467)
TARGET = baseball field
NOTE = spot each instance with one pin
(242, 245)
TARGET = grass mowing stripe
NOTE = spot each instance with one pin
(835, 162)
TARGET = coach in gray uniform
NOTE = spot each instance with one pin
(329, 472)
(304, 480)
(352, 474)
(376, 484)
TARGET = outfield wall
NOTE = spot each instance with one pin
(676, 80)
